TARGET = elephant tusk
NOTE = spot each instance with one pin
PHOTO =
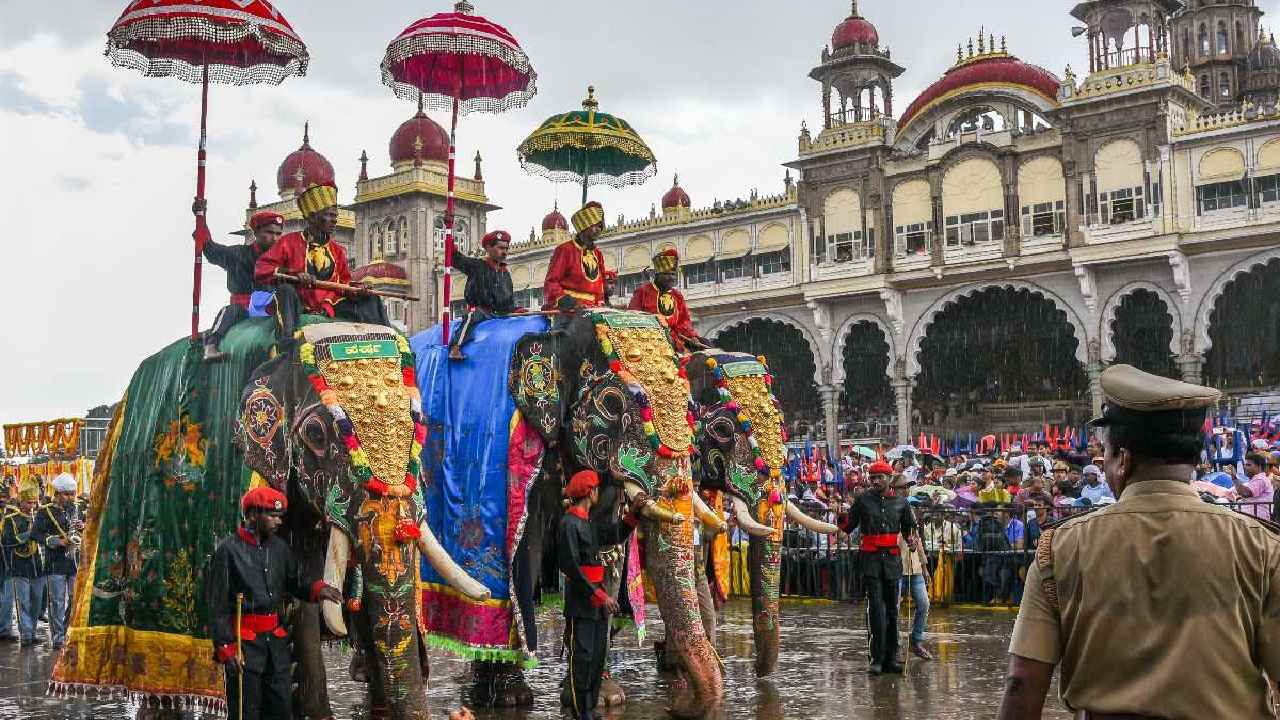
(710, 518)
(453, 574)
(748, 523)
(335, 574)
(798, 517)
(652, 510)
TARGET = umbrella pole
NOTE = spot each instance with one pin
(201, 234)
(449, 221)
(586, 175)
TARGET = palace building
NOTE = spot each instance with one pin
(967, 261)
(974, 261)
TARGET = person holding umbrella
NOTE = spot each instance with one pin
(489, 293)
(575, 277)
(239, 262)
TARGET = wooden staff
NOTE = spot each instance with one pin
(344, 289)
(239, 656)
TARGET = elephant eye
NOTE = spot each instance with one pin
(313, 434)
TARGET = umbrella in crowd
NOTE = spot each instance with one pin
(460, 62)
(589, 147)
(865, 452)
(901, 450)
(234, 42)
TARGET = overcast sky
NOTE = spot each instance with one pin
(98, 162)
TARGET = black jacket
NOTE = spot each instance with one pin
(264, 574)
(488, 288)
(22, 554)
(52, 521)
(238, 261)
(578, 550)
(876, 514)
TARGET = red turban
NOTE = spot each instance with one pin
(264, 498)
(266, 217)
(880, 468)
(581, 484)
(496, 236)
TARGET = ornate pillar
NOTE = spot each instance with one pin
(1094, 370)
(903, 393)
(830, 404)
(1190, 362)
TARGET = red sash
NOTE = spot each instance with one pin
(593, 573)
(252, 625)
(883, 541)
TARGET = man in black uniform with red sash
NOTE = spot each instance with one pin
(881, 517)
(256, 565)
(587, 606)
(489, 292)
(239, 262)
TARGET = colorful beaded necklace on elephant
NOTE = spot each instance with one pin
(744, 369)
(370, 350)
(634, 345)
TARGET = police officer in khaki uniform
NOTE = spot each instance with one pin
(1161, 605)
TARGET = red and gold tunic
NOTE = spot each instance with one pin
(325, 261)
(670, 305)
(576, 272)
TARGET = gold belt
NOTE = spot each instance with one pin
(585, 297)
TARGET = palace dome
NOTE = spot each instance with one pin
(855, 30)
(380, 273)
(996, 69)
(554, 221)
(419, 131)
(676, 197)
(304, 167)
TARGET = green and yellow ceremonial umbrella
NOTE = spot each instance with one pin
(589, 147)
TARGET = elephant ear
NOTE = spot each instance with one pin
(537, 383)
(262, 425)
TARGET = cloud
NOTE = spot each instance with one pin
(101, 160)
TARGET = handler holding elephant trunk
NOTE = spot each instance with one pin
(252, 570)
(587, 606)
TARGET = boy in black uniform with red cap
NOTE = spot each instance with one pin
(881, 516)
(254, 569)
(587, 607)
(489, 292)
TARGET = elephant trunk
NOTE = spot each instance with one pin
(764, 561)
(670, 565)
(747, 522)
(336, 559)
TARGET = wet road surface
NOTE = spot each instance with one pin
(821, 674)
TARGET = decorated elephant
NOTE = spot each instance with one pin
(741, 452)
(608, 393)
(337, 424)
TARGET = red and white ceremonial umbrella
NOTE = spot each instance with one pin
(234, 42)
(461, 62)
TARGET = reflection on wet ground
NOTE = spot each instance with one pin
(821, 673)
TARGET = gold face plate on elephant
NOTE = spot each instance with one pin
(646, 353)
(372, 393)
(756, 402)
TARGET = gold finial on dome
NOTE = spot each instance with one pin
(464, 8)
(982, 41)
(854, 11)
(986, 48)
(591, 103)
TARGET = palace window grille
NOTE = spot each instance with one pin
(1121, 206)
(849, 246)
(1224, 85)
(1267, 189)
(974, 229)
(1223, 47)
(912, 240)
(628, 283)
(1046, 218)
(1220, 196)
(772, 263)
(734, 269)
(699, 273)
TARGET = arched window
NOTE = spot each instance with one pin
(973, 204)
(1118, 170)
(391, 246)
(1224, 86)
(1222, 39)
(375, 242)
(842, 221)
(1204, 87)
(1240, 42)
(1187, 48)
(1204, 40)
(402, 237)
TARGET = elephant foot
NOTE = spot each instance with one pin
(611, 693)
(380, 712)
(685, 703)
(357, 669)
(499, 685)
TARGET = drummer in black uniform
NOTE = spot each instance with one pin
(587, 606)
(255, 565)
(881, 516)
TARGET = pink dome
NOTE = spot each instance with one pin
(855, 30)
(314, 168)
(434, 140)
(554, 221)
(676, 197)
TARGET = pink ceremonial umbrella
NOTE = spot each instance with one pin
(234, 42)
(461, 62)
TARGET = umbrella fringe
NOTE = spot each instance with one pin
(126, 42)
